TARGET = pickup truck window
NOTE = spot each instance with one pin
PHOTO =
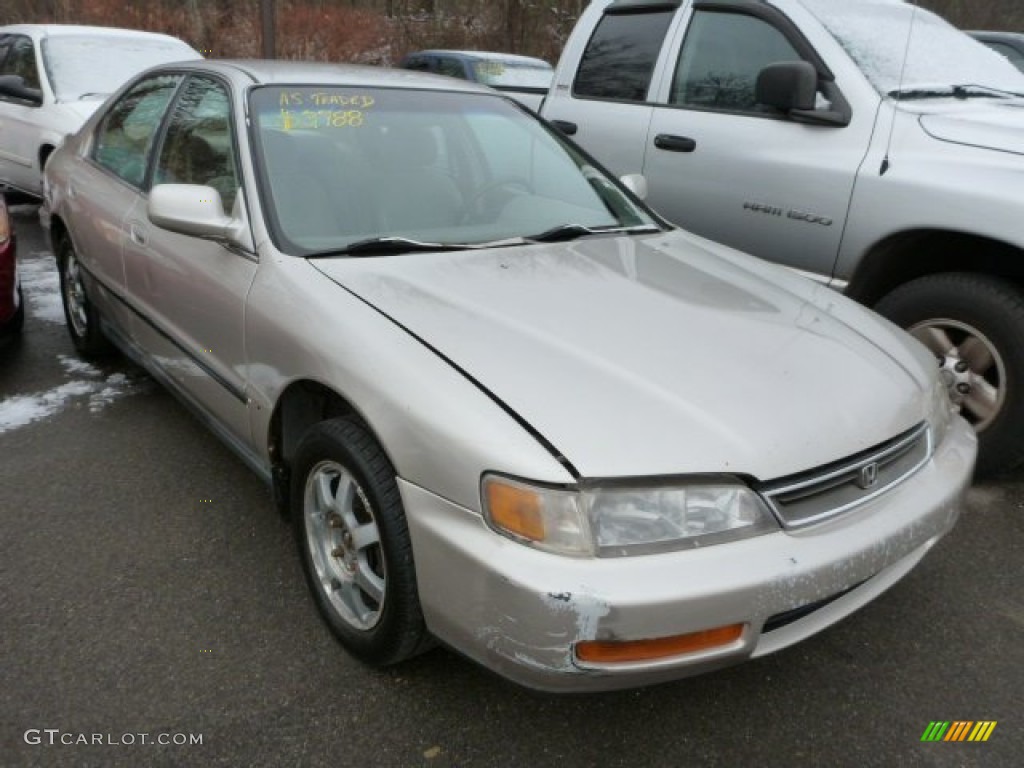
(619, 59)
(721, 58)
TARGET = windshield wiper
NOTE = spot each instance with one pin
(966, 91)
(573, 231)
(387, 246)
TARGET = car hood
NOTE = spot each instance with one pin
(998, 126)
(655, 355)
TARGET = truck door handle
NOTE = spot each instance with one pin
(674, 143)
(137, 235)
(569, 129)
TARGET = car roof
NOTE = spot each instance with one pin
(39, 31)
(277, 72)
(485, 56)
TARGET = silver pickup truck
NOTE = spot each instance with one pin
(865, 143)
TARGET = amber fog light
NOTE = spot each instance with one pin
(614, 652)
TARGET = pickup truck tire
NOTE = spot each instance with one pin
(354, 543)
(975, 326)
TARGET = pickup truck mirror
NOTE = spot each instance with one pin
(13, 87)
(787, 85)
(635, 183)
(197, 211)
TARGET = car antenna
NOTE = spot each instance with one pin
(899, 89)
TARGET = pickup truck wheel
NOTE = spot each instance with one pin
(974, 324)
(354, 543)
(81, 316)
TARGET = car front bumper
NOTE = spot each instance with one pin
(521, 612)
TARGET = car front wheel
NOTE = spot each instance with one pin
(974, 325)
(81, 316)
(354, 542)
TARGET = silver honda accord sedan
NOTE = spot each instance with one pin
(506, 406)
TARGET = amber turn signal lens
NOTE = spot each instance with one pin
(515, 509)
(612, 652)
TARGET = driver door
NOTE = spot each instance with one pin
(191, 292)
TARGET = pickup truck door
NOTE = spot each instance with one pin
(722, 166)
(605, 107)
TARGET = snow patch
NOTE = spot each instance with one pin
(41, 284)
(89, 386)
(24, 409)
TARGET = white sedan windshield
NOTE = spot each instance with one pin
(880, 34)
(80, 65)
(343, 166)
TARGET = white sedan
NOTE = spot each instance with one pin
(53, 76)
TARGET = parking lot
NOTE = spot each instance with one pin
(148, 587)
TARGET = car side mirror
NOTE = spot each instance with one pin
(635, 183)
(197, 211)
(787, 85)
(13, 87)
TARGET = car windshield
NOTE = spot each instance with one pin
(939, 56)
(85, 65)
(374, 170)
(508, 73)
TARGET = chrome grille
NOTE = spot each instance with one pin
(811, 497)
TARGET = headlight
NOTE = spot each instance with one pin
(625, 520)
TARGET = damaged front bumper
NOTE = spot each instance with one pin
(522, 612)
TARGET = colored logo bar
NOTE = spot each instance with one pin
(958, 730)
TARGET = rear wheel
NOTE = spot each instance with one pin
(80, 314)
(974, 325)
(354, 542)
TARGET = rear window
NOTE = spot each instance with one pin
(620, 57)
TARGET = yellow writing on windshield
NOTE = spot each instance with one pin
(321, 118)
(326, 99)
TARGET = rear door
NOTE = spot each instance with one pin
(723, 166)
(105, 187)
(608, 108)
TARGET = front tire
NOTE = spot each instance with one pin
(82, 319)
(354, 543)
(974, 324)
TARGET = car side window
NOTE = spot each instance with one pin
(619, 58)
(199, 146)
(21, 61)
(721, 58)
(125, 136)
(450, 67)
(418, 63)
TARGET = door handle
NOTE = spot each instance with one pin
(137, 235)
(569, 129)
(674, 143)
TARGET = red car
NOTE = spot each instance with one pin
(12, 307)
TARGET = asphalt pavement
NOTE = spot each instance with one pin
(149, 592)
